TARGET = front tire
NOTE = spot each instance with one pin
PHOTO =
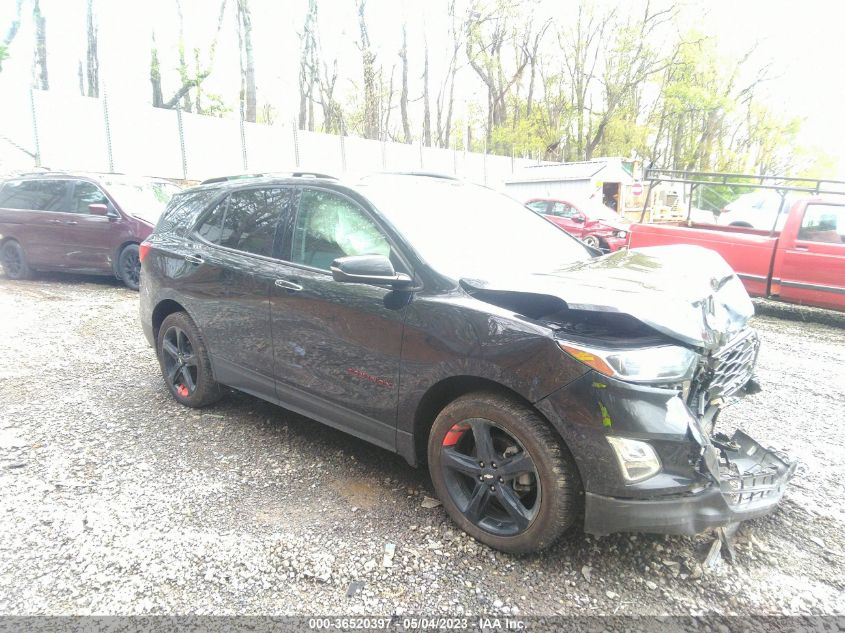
(592, 241)
(502, 473)
(129, 267)
(184, 362)
(14, 261)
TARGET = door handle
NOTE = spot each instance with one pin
(72, 222)
(194, 259)
(55, 221)
(288, 285)
(801, 248)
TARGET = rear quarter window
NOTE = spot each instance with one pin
(35, 195)
(183, 209)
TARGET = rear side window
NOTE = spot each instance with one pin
(35, 195)
(245, 221)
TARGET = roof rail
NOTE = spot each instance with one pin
(424, 174)
(290, 174)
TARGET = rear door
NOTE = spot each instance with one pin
(338, 345)
(810, 266)
(32, 214)
(229, 269)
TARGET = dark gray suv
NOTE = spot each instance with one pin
(541, 384)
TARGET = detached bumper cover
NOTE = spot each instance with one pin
(748, 482)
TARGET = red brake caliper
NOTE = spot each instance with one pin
(182, 390)
(454, 435)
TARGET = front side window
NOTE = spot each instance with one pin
(84, 195)
(245, 221)
(329, 226)
(563, 210)
(823, 223)
(34, 195)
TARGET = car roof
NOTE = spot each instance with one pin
(92, 176)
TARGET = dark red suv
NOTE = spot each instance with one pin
(88, 223)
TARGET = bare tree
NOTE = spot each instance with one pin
(92, 61)
(446, 92)
(39, 64)
(426, 130)
(403, 99)
(308, 68)
(371, 121)
(247, 57)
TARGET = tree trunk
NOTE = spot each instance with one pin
(248, 96)
(403, 99)
(426, 139)
(41, 81)
(371, 102)
(91, 58)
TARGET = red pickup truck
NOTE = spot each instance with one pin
(803, 263)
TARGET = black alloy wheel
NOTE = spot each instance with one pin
(491, 477)
(13, 261)
(129, 266)
(180, 362)
(184, 362)
(502, 472)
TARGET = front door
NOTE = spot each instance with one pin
(337, 345)
(90, 240)
(811, 267)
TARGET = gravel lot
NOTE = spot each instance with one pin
(116, 500)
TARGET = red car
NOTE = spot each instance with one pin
(87, 223)
(802, 263)
(589, 220)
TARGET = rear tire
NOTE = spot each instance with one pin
(129, 266)
(14, 261)
(184, 362)
(525, 474)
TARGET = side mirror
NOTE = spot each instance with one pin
(375, 270)
(98, 209)
(580, 219)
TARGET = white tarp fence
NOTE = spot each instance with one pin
(69, 132)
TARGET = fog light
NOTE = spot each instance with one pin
(637, 460)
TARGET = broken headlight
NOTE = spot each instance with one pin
(666, 363)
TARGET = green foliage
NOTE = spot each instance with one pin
(4, 54)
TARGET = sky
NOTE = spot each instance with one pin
(804, 41)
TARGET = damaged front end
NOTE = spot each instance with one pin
(730, 479)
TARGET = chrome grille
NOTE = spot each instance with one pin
(733, 366)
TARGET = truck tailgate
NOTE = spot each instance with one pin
(748, 254)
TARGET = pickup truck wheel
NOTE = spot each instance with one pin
(592, 241)
(129, 266)
(14, 262)
(502, 473)
(184, 362)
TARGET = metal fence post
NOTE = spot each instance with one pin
(384, 154)
(294, 127)
(35, 128)
(422, 162)
(484, 163)
(107, 124)
(243, 143)
(182, 143)
(342, 151)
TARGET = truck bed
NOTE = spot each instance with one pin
(749, 252)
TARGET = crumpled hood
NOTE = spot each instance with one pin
(686, 292)
(616, 225)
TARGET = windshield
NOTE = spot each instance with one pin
(464, 230)
(145, 199)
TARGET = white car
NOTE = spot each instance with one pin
(758, 210)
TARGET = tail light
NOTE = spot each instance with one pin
(143, 249)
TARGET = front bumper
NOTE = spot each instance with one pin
(615, 243)
(751, 481)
